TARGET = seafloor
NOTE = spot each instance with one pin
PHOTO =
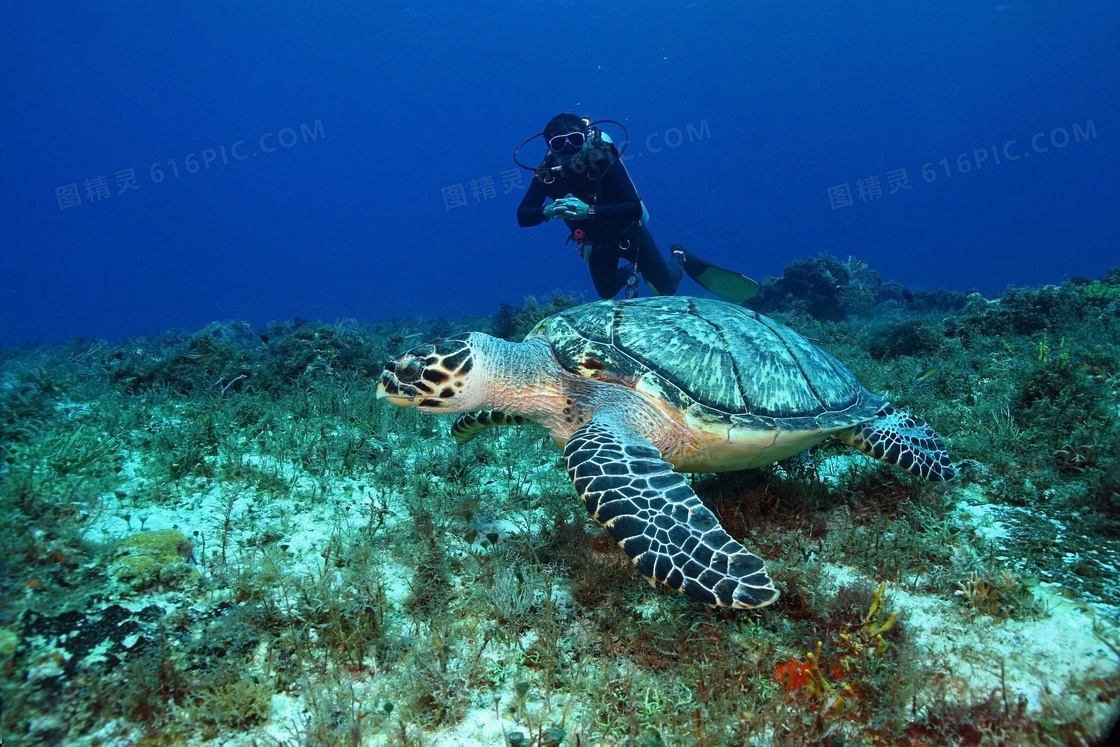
(221, 538)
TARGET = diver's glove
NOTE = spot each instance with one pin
(555, 210)
(578, 208)
(568, 208)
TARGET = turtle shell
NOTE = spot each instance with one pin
(730, 363)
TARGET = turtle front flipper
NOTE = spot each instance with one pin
(470, 424)
(904, 440)
(655, 517)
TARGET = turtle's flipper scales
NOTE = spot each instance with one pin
(904, 440)
(470, 424)
(656, 518)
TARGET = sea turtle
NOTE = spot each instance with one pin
(638, 391)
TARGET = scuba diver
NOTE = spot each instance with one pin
(591, 191)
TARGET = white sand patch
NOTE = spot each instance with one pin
(1040, 660)
(285, 713)
(834, 469)
(491, 725)
(481, 726)
(973, 513)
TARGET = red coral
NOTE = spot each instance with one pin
(792, 675)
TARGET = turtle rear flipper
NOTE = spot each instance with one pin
(470, 424)
(655, 517)
(900, 438)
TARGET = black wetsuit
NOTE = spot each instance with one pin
(614, 232)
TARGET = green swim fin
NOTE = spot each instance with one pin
(728, 285)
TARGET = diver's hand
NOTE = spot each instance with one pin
(578, 208)
(569, 208)
(556, 209)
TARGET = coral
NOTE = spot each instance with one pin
(804, 680)
(813, 285)
(228, 359)
(1021, 311)
(1105, 291)
(1107, 493)
(513, 322)
(998, 599)
(855, 653)
(1059, 401)
(827, 289)
(940, 300)
(908, 338)
(154, 559)
(1073, 459)
(301, 351)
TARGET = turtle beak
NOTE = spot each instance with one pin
(401, 401)
(387, 388)
(398, 401)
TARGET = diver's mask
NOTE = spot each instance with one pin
(568, 142)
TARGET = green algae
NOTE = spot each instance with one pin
(159, 559)
(316, 570)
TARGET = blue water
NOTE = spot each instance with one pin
(318, 149)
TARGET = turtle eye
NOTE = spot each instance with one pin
(410, 372)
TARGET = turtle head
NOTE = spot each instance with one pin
(434, 377)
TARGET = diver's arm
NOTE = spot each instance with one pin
(618, 199)
(620, 211)
(531, 210)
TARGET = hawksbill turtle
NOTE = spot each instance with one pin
(641, 390)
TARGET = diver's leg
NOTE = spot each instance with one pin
(663, 277)
(607, 276)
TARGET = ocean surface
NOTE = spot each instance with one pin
(168, 166)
